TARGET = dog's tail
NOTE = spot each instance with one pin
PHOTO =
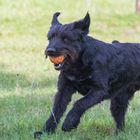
(115, 41)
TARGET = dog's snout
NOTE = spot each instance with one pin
(50, 51)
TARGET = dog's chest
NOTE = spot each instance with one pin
(82, 82)
(78, 78)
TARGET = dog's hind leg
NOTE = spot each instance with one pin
(118, 109)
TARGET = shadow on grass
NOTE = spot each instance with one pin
(10, 81)
(96, 130)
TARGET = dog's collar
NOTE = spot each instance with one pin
(76, 78)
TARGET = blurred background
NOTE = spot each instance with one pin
(28, 80)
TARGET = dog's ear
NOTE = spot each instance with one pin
(83, 25)
(55, 20)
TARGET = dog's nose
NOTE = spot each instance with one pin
(50, 50)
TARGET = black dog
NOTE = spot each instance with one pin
(95, 69)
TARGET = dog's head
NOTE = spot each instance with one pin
(66, 41)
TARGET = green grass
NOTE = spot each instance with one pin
(28, 81)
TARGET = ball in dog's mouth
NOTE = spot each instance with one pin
(58, 61)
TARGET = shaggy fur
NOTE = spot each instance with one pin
(95, 69)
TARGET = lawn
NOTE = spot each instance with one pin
(28, 81)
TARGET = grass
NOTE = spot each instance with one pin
(28, 81)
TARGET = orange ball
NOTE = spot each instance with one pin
(57, 60)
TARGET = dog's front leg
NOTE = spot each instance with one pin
(61, 100)
(60, 103)
(73, 117)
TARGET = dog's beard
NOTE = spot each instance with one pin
(71, 54)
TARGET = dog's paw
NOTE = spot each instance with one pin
(38, 134)
(118, 131)
(70, 124)
(49, 128)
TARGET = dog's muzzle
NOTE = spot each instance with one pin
(59, 59)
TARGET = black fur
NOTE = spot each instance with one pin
(95, 69)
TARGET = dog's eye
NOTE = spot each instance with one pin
(78, 39)
(51, 36)
(48, 38)
(65, 39)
